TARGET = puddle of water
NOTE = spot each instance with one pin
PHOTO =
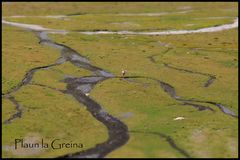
(126, 115)
(89, 79)
(60, 60)
(226, 110)
(85, 88)
(105, 73)
(79, 58)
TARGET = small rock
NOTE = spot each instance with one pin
(178, 118)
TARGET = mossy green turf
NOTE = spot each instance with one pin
(134, 23)
(101, 16)
(56, 75)
(155, 113)
(65, 8)
(42, 118)
(51, 115)
(155, 110)
(48, 112)
(22, 53)
(115, 52)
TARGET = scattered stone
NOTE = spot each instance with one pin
(178, 118)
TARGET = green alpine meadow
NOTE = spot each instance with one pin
(119, 79)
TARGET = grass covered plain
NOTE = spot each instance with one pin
(142, 105)
(21, 53)
(156, 111)
(126, 16)
(115, 22)
(42, 118)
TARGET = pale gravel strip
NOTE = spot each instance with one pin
(170, 32)
(33, 27)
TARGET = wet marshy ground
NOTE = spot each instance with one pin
(79, 87)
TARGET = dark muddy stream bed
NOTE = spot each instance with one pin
(79, 87)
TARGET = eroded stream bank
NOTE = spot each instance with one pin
(18, 108)
(170, 90)
(117, 131)
(206, 84)
(168, 139)
(79, 86)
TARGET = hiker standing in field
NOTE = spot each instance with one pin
(123, 72)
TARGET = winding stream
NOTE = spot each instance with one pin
(168, 139)
(27, 78)
(79, 86)
(170, 90)
(208, 82)
(18, 114)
